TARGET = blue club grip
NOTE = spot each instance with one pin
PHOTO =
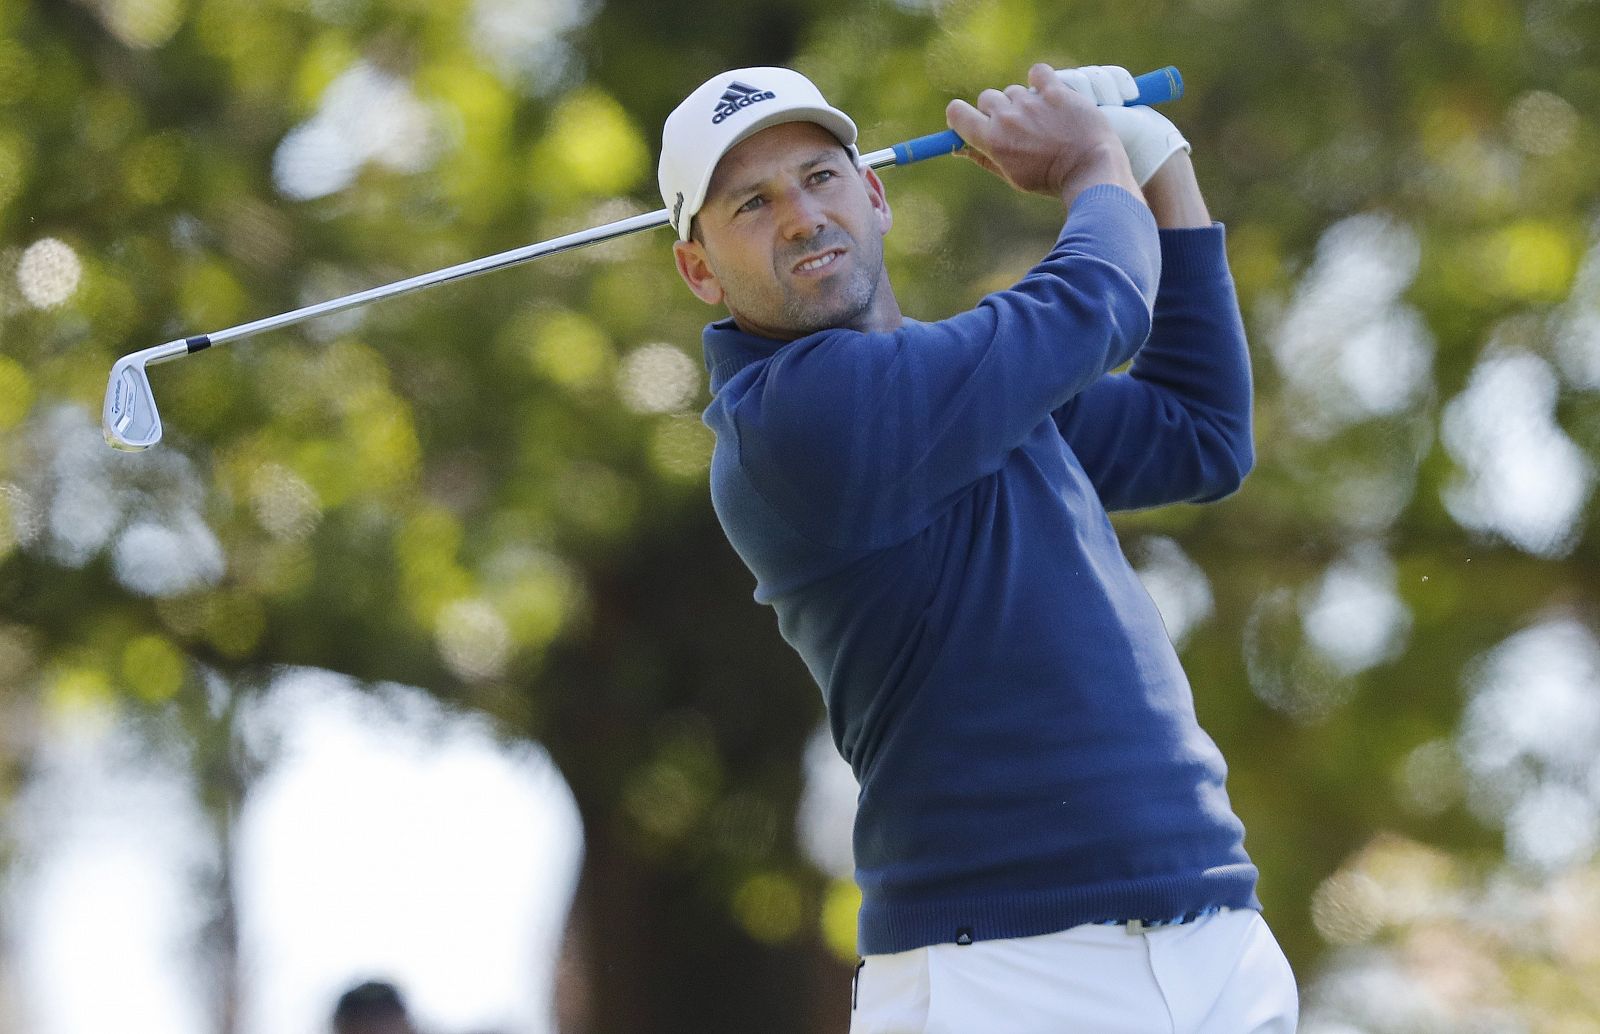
(1157, 87)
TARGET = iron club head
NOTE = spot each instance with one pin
(129, 418)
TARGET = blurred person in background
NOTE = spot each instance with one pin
(373, 1007)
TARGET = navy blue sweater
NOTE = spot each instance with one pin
(926, 511)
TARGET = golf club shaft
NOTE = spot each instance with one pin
(460, 271)
(1163, 84)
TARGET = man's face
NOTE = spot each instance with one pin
(790, 237)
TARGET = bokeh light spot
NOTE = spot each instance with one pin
(681, 448)
(1542, 123)
(1529, 260)
(1347, 908)
(1180, 589)
(1284, 672)
(79, 694)
(48, 273)
(987, 41)
(366, 115)
(385, 446)
(1355, 616)
(153, 668)
(535, 605)
(523, 40)
(658, 378)
(840, 909)
(1348, 345)
(664, 800)
(569, 348)
(1520, 475)
(591, 147)
(768, 906)
(142, 24)
(1430, 778)
(284, 505)
(161, 559)
(473, 639)
(1529, 739)
(667, 796)
(425, 549)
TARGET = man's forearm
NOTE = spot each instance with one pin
(1174, 196)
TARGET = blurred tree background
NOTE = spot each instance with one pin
(496, 490)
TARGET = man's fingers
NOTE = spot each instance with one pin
(1106, 85)
(1042, 77)
(968, 122)
(972, 126)
(991, 101)
(1127, 89)
(1074, 80)
(1103, 86)
(981, 159)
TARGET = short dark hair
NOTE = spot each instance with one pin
(373, 1000)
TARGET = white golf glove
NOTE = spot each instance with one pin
(1148, 136)
(1103, 84)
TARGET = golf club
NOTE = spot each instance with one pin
(132, 423)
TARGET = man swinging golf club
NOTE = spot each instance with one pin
(1044, 842)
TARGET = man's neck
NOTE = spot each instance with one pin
(881, 316)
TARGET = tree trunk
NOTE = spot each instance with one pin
(653, 945)
(645, 954)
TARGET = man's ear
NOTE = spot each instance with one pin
(695, 269)
(880, 200)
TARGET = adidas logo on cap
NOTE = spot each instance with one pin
(738, 96)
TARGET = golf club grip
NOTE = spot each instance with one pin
(1157, 87)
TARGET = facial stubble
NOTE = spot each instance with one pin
(805, 307)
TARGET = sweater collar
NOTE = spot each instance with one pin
(729, 350)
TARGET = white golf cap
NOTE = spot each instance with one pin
(723, 111)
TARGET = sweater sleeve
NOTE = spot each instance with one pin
(1176, 426)
(862, 439)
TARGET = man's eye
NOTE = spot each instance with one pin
(751, 205)
(823, 175)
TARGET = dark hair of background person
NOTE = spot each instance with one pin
(372, 1007)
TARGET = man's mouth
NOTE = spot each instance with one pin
(822, 261)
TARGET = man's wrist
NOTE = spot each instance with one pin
(1173, 194)
(1103, 163)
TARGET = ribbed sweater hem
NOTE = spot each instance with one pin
(886, 927)
(1194, 252)
(1113, 194)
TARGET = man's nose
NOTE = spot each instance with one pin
(802, 216)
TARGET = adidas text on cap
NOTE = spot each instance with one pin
(725, 110)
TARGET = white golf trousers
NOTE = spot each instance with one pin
(1221, 974)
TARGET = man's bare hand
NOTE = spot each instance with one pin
(1048, 140)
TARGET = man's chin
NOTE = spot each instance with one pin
(828, 313)
(812, 323)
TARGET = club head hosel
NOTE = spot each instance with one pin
(165, 352)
